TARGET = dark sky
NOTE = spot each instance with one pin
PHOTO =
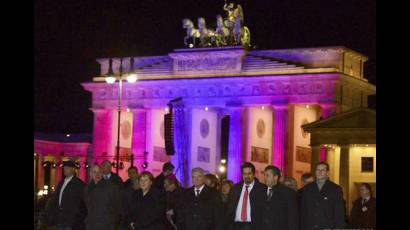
(70, 35)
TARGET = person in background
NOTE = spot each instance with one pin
(132, 173)
(363, 214)
(212, 181)
(67, 203)
(173, 198)
(306, 179)
(108, 175)
(226, 188)
(148, 212)
(167, 169)
(322, 205)
(291, 183)
(102, 198)
(281, 211)
(127, 202)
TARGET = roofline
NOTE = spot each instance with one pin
(308, 126)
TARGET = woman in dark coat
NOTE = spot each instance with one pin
(148, 212)
(363, 214)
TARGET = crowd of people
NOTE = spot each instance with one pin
(147, 203)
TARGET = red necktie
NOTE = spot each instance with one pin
(244, 212)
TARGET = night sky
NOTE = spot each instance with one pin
(70, 35)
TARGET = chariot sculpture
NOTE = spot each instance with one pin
(229, 31)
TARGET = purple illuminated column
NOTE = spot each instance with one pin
(101, 133)
(235, 143)
(280, 126)
(138, 146)
(323, 153)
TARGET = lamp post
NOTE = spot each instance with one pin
(110, 79)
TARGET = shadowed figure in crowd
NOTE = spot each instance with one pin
(174, 196)
(132, 173)
(103, 200)
(109, 175)
(127, 202)
(167, 169)
(363, 214)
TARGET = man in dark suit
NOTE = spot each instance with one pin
(322, 205)
(281, 211)
(108, 175)
(103, 199)
(201, 206)
(67, 204)
(363, 214)
(246, 202)
(167, 169)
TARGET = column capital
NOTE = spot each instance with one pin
(280, 106)
(327, 105)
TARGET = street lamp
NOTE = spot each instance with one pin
(110, 79)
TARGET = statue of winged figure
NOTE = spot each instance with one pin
(228, 31)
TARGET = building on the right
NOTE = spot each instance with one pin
(347, 142)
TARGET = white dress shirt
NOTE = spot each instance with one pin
(107, 177)
(66, 180)
(200, 190)
(239, 207)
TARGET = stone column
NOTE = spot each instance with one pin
(102, 133)
(235, 146)
(182, 141)
(323, 153)
(315, 158)
(40, 172)
(138, 145)
(280, 139)
(344, 173)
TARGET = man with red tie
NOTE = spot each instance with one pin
(246, 201)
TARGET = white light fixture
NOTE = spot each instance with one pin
(166, 110)
(40, 193)
(128, 110)
(45, 187)
(206, 108)
(191, 45)
(263, 107)
(307, 106)
(223, 161)
(110, 79)
(222, 169)
(68, 135)
(132, 78)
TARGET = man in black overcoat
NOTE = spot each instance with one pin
(322, 205)
(281, 209)
(201, 206)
